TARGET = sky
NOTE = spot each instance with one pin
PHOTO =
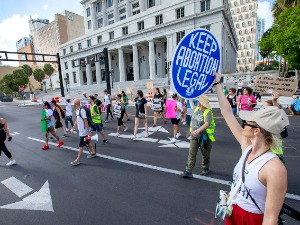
(14, 16)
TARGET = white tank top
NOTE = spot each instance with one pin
(257, 190)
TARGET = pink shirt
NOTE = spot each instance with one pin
(245, 100)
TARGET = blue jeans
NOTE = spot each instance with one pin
(234, 110)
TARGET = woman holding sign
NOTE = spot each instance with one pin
(157, 105)
(259, 193)
(140, 113)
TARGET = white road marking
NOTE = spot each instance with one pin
(40, 200)
(162, 169)
(16, 186)
(14, 133)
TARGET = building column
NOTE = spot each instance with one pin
(104, 13)
(98, 73)
(88, 73)
(93, 16)
(136, 68)
(116, 11)
(151, 59)
(79, 76)
(128, 9)
(143, 5)
(121, 65)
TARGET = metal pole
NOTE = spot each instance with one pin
(60, 77)
(105, 52)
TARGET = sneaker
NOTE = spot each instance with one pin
(74, 131)
(75, 163)
(146, 135)
(11, 162)
(105, 121)
(67, 129)
(154, 125)
(173, 140)
(134, 138)
(45, 147)
(60, 143)
(189, 138)
(165, 122)
(187, 174)
(65, 135)
(91, 156)
(118, 134)
(178, 135)
(105, 141)
(205, 172)
(126, 129)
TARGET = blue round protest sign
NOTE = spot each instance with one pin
(195, 59)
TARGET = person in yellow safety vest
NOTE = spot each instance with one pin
(96, 118)
(202, 130)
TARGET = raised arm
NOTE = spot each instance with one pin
(5, 128)
(227, 113)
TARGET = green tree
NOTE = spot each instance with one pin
(27, 69)
(48, 69)
(39, 75)
(280, 5)
(266, 46)
(11, 82)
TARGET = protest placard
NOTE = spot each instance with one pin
(269, 84)
(170, 108)
(149, 85)
(156, 104)
(128, 90)
(195, 59)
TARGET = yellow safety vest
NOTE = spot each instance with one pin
(278, 149)
(211, 129)
(95, 119)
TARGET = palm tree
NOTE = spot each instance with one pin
(280, 5)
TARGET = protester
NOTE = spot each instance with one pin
(231, 97)
(175, 121)
(119, 111)
(4, 131)
(225, 91)
(58, 115)
(295, 106)
(165, 97)
(141, 113)
(84, 132)
(261, 194)
(50, 126)
(69, 113)
(247, 100)
(183, 113)
(108, 105)
(96, 118)
(202, 129)
(98, 102)
(240, 87)
(126, 104)
(158, 97)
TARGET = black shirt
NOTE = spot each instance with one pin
(139, 105)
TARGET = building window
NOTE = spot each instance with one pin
(240, 32)
(141, 25)
(235, 3)
(136, 8)
(79, 46)
(165, 47)
(250, 7)
(121, 1)
(64, 51)
(241, 17)
(151, 3)
(243, 24)
(237, 25)
(122, 13)
(89, 43)
(250, 23)
(74, 77)
(66, 65)
(110, 18)
(89, 24)
(109, 3)
(73, 63)
(245, 46)
(111, 35)
(238, 10)
(100, 22)
(179, 36)
(71, 48)
(124, 30)
(248, 53)
(180, 13)
(88, 12)
(159, 19)
(99, 39)
(205, 5)
(99, 7)
(207, 27)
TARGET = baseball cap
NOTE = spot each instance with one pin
(270, 118)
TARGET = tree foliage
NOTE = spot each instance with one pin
(39, 75)
(11, 82)
(48, 69)
(27, 69)
(280, 5)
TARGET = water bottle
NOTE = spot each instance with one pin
(233, 101)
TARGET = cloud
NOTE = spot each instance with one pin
(45, 6)
(264, 11)
(12, 30)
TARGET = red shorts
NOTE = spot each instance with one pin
(240, 216)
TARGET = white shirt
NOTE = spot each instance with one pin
(107, 99)
(68, 108)
(80, 123)
(179, 106)
(49, 113)
(240, 85)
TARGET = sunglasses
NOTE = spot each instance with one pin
(244, 123)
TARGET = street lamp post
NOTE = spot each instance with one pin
(44, 83)
(112, 75)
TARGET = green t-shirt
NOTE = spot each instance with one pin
(125, 99)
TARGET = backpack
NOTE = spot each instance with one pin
(88, 115)
(98, 102)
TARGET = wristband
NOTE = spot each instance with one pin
(219, 82)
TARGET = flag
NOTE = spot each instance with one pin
(92, 59)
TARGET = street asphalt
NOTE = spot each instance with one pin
(129, 183)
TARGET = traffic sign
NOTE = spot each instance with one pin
(195, 59)
(21, 88)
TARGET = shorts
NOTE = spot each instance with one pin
(82, 143)
(58, 124)
(126, 107)
(242, 217)
(159, 111)
(175, 121)
(97, 127)
(50, 129)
